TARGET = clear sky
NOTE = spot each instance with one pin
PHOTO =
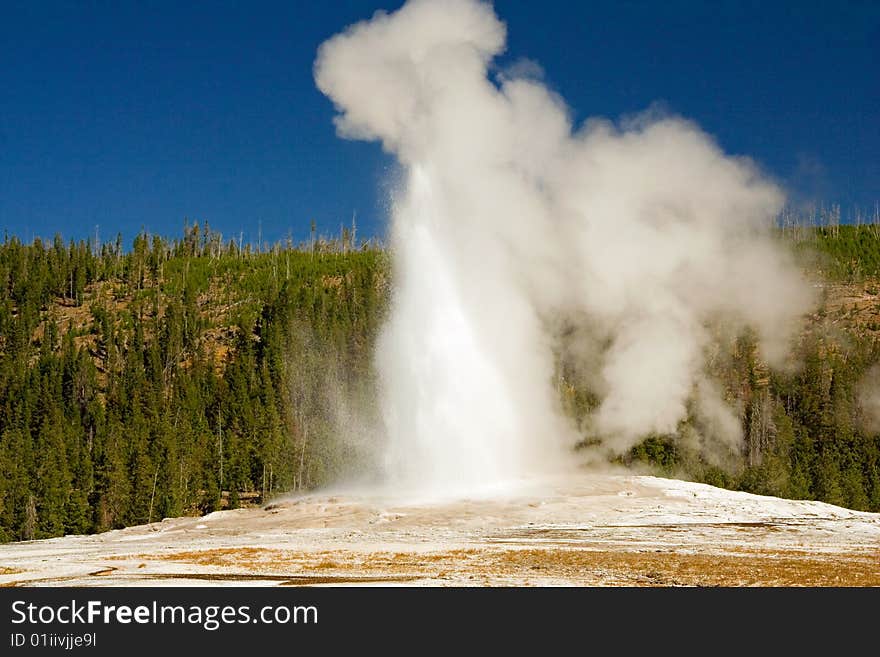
(141, 114)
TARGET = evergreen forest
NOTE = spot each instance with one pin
(171, 377)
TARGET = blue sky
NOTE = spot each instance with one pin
(139, 115)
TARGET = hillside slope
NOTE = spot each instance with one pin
(191, 375)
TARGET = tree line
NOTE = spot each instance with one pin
(808, 433)
(175, 377)
(181, 376)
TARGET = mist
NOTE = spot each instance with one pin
(511, 222)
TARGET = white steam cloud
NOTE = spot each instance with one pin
(512, 221)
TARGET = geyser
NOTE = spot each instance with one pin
(511, 222)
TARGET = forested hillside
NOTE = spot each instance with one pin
(182, 376)
(139, 384)
(810, 432)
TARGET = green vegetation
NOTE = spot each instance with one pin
(807, 432)
(141, 385)
(846, 253)
(183, 376)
